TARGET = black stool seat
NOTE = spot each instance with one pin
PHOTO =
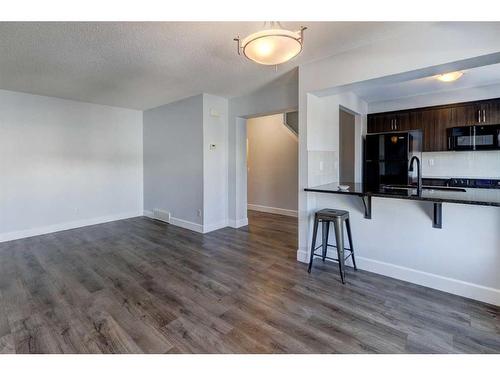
(338, 218)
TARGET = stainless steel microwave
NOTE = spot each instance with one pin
(476, 137)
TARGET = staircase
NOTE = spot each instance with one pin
(291, 121)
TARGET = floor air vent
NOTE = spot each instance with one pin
(161, 215)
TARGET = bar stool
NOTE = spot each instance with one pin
(337, 217)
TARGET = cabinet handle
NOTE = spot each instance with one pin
(484, 115)
(479, 115)
(473, 137)
(395, 124)
(449, 143)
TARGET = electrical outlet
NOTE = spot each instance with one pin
(431, 162)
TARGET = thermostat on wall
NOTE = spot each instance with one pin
(214, 113)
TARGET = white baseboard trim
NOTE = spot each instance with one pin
(273, 210)
(237, 223)
(211, 227)
(10, 236)
(189, 224)
(186, 224)
(148, 213)
(302, 256)
(177, 222)
(443, 283)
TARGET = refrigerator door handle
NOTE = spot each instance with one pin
(473, 137)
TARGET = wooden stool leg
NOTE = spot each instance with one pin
(349, 236)
(313, 245)
(324, 233)
(339, 236)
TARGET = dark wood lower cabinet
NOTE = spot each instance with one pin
(435, 121)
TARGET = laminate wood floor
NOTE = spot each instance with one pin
(141, 286)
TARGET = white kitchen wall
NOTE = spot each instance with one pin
(65, 164)
(214, 162)
(323, 137)
(272, 165)
(173, 161)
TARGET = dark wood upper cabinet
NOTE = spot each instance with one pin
(464, 115)
(490, 112)
(434, 121)
(379, 123)
(402, 121)
(442, 120)
(388, 122)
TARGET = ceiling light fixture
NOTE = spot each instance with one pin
(450, 77)
(272, 46)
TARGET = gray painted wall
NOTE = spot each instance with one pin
(66, 164)
(272, 163)
(214, 162)
(173, 158)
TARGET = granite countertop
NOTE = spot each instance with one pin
(483, 197)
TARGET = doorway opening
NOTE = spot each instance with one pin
(347, 146)
(272, 175)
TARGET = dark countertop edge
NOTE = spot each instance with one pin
(347, 192)
(412, 198)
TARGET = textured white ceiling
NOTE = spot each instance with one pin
(143, 65)
(475, 77)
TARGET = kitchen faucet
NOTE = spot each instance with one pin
(419, 174)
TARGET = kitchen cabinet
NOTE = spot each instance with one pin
(437, 136)
(402, 121)
(376, 124)
(435, 121)
(388, 122)
(489, 113)
(465, 115)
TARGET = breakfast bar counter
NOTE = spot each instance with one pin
(435, 195)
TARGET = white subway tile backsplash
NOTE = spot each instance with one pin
(473, 164)
(323, 167)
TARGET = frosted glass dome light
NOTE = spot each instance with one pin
(450, 77)
(272, 46)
